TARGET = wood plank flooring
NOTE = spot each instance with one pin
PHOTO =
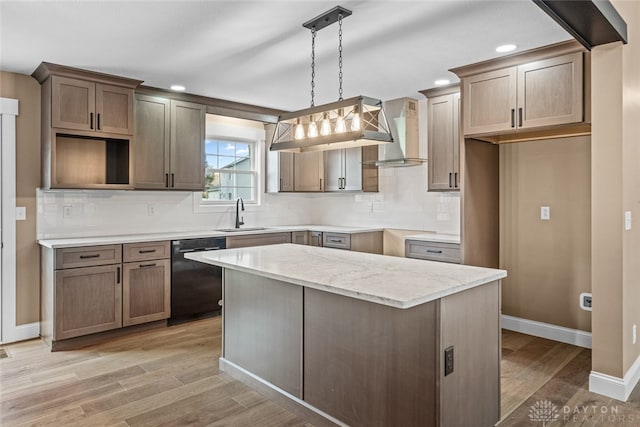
(170, 377)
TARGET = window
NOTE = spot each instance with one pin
(230, 170)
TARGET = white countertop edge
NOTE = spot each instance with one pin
(346, 292)
(179, 235)
(435, 238)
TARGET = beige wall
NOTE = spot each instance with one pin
(616, 189)
(631, 180)
(27, 91)
(549, 262)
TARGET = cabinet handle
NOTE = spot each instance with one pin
(344, 183)
(450, 180)
(339, 183)
(455, 179)
(320, 184)
(520, 117)
(433, 251)
(98, 121)
(89, 256)
(280, 184)
(118, 276)
(166, 180)
(146, 251)
(91, 120)
(147, 265)
(513, 117)
(173, 180)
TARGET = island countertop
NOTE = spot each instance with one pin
(392, 281)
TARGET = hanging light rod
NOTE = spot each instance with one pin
(329, 17)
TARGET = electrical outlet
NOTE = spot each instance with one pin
(586, 301)
(448, 361)
(635, 333)
(545, 213)
(67, 211)
(151, 209)
(21, 213)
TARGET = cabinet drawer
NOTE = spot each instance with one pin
(337, 240)
(88, 256)
(132, 252)
(445, 252)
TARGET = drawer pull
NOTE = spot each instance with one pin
(147, 265)
(335, 240)
(89, 256)
(434, 251)
(146, 251)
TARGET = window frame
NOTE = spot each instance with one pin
(204, 205)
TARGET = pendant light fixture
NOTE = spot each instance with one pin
(353, 122)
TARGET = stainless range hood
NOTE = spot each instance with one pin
(402, 114)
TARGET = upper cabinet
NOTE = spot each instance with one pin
(443, 139)
(85, 105)
(308, 171)
(539, 90)
(343, 170)
(87, 128)
(169, 144)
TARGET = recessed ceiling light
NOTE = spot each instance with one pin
(506, 48)
(178, 88)
(442, 82)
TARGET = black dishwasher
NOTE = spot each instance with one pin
(196, 287)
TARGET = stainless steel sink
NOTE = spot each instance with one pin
(235, 230)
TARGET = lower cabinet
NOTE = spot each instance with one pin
(87, 300)
(86, 290)
(146, 291)
(433, 251)
(257, 240)
(300, 237)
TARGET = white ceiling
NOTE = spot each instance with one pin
(257, 52)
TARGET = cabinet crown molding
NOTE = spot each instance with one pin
(557, 49)
(47, 69)
(442, 90)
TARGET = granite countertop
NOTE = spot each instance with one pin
(435, 237)
(152, 237)
(392, 281)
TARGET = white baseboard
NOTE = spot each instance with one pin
(21, 333)
(547, 330)
(614, 387)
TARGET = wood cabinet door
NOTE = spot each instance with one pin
(550, 92)
(308, 171)
(441, 142)
(146, 292)
(87, 300)
(114, 109)
(489, 101)
(457, 108)
(285, 167)
(73, 103)
(300, 237)
(352, 165)
(153, 132)
(333, 169)
(187, 146)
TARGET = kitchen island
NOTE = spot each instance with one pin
(364, 339)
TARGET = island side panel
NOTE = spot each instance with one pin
(470, 322)
(368, 364)
(263, 328)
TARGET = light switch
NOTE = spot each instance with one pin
(21, 213)
(545, 213)
(627, 220)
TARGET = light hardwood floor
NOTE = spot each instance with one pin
(170, 377)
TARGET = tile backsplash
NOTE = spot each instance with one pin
(402, 202)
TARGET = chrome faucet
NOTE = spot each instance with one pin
(239, 219)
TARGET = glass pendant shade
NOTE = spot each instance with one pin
(312, 132)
